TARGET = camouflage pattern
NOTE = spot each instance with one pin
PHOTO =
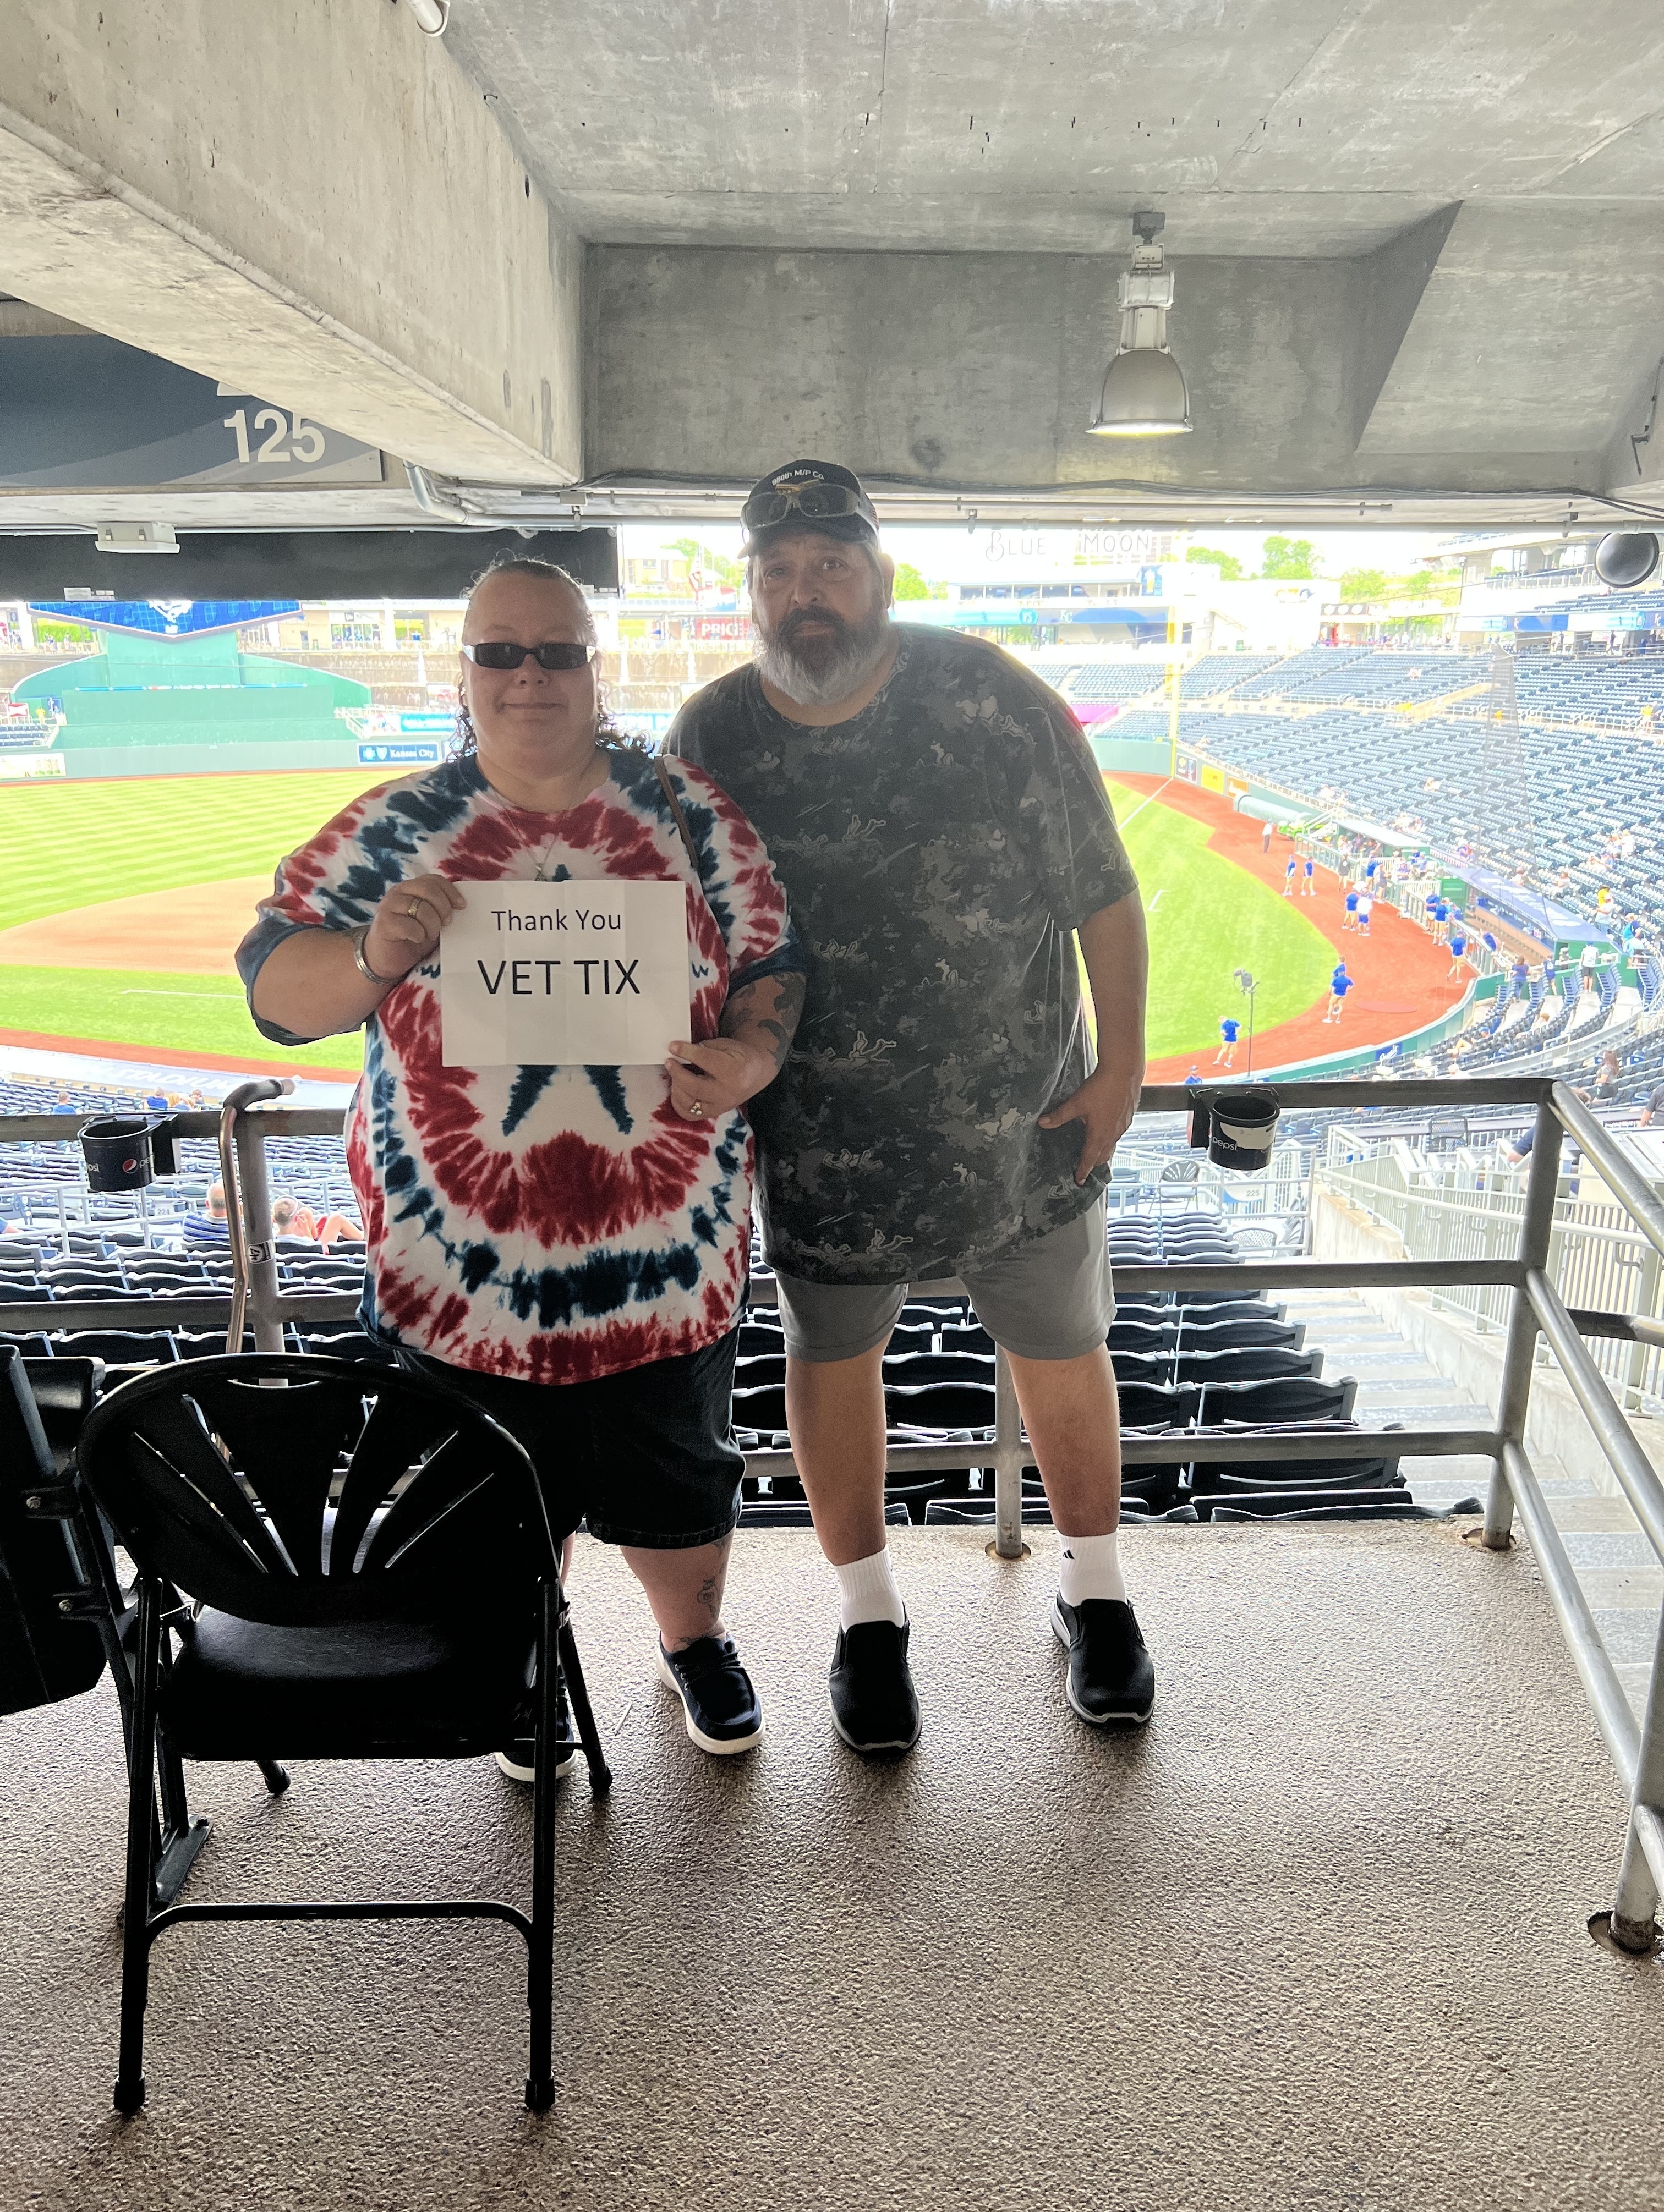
(937, 850)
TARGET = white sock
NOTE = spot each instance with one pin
(868, 1590)
(1087, 1567)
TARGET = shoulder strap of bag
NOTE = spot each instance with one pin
(669, 790)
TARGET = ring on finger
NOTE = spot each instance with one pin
(413, 908)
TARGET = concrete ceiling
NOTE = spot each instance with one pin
(578, 259)
(1264, 127)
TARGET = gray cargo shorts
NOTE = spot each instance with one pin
(1050, 1299)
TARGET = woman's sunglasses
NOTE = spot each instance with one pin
(491, 654)
(816, 502)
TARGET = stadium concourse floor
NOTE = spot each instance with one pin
(1402, 979)
(1317, 1938)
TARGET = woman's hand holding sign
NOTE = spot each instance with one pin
(710, 1080)
(405, 928)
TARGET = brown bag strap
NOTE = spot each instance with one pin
(669, 790)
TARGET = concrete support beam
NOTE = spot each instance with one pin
(304, 199)
(978, 370)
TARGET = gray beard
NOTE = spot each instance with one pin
(836, 671)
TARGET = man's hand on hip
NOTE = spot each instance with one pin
(1106, 1103)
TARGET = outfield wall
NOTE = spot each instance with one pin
(1131, 756)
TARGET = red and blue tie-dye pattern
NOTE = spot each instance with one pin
(552, 1224)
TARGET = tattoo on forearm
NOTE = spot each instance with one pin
(771, 1005)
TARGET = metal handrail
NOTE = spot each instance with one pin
(1536, 1310)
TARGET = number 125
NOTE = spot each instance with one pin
(308, 438)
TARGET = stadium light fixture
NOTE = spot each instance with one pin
(1144, 394)
(1625, 558)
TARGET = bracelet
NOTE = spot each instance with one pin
(356, 938)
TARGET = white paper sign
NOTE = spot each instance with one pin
(564, 974)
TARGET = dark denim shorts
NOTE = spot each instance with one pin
(645, 1457)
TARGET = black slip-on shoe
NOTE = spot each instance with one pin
(723, 1711)
(873, 1705)
(1111, 1675)
(514, 1759)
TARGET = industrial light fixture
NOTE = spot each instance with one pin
(1625, 558)
(1144, 394)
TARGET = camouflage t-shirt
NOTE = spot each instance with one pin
(937, 850)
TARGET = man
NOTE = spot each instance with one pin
(942, 834)
(1349, 919)
(1340, 984)
(1265, 838)
(1366, 908)
(1226, 1055)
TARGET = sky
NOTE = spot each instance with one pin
(949, 554)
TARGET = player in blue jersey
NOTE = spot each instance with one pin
(1226, 1055)
(1340, 984)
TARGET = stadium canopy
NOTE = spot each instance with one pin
(568, 264)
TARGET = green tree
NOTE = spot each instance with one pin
(1230, 567)
(1287, 559)
(1364, 584)
(713, 564)
(908, 583)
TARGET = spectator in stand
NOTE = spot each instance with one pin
(156, 1102)
(290, 1219)
(64, 1104)
(209, 1228)
(1654, 1105)
(1288, 876)
(1366, 908)
(1226, 1055)
(565, 1245)
(1519, 976)
(1340, 984)
(1608, 1080)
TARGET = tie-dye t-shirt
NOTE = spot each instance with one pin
(552, 1224)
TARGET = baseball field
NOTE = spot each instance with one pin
(121, 904)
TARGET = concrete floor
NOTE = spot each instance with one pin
(1317, 1938)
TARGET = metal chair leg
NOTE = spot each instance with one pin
(141, 1869)
(540, 1950)
(600, 1774)
(276, 1777)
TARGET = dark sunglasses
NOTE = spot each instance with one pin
(814, 502)
(552, 657)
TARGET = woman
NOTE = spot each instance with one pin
(568, 1244)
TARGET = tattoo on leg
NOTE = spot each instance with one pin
(710, 1596)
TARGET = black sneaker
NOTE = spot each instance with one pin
(515, 1759)
(723, 1711)
(1111, 1675)
(872, 1701)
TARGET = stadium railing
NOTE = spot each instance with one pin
(1535, 1309)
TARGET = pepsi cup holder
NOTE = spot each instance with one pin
(1236, 1126)
(127, 1151)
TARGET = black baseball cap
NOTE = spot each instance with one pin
(808, 495)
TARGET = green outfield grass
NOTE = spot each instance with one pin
(69, 845)
(1206, 918)
(205, 1014)
(74, 844)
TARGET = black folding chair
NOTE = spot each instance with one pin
(373, 1575)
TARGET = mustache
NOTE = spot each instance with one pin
(800, 615)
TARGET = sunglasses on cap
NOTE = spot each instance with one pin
(492, 654)
(815, 502)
